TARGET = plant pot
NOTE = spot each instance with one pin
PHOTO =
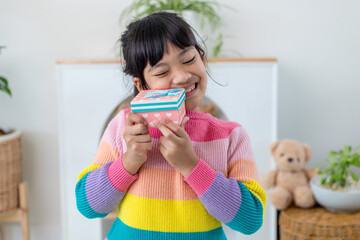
(335, 201)
(10, 169)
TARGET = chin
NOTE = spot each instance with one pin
(191, 106)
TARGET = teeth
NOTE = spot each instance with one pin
(190, 89)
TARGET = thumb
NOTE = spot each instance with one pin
(184, 122)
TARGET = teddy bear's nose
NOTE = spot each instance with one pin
(290, 159)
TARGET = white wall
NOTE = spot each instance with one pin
(316, 43)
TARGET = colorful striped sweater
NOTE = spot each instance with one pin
(158, 202)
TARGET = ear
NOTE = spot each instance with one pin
(273, 146)
(137, 83)
(308, 152)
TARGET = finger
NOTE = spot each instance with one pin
(132, 118)
(180, 132)
(140, 147)
(165, 130)
(161, 147)
(184, 121)
(138, 129)
(142, 138)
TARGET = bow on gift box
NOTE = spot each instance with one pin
(161, 93)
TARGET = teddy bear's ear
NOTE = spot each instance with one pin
(308, 152)
(273, 146)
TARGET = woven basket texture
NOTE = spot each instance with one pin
(318, 224)
(10, 173)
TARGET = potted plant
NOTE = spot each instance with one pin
(10, 160)
(205, 9)
(337, 187)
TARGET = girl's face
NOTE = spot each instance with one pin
(178, 68)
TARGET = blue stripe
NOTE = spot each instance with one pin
(249, 217)
(81, 201)
(120, 231)
(156, 109)
(179, 102)
(152, 104)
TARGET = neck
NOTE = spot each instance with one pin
(197, 109)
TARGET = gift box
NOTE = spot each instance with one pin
(153, 104)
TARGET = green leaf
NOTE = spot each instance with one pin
(357, 148)
(5, 89)
(356, 162)
(323, 180)
(346, 149)
(332, 154)
(219, 45)
(5, 82)
(1, 47)
(342, 182)
(354, 176)
(337, 176)
(4, 86)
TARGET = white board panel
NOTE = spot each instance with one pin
(88, 93)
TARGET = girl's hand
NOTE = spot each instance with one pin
(138, 142)
(176, 146)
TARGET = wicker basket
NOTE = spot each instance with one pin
(318, 224)
(10, 170)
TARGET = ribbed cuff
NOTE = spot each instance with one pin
(201, 177)
(119, 177)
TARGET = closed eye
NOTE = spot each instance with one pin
(190, 60)
(160, 74)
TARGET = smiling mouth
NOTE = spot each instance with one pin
(191, 88)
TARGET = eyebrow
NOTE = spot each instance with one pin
(185, 50)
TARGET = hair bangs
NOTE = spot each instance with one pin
(157, 33)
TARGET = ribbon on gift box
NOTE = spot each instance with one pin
(162, 93)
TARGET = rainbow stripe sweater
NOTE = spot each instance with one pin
(158, 202)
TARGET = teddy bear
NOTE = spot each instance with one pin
(290, 180)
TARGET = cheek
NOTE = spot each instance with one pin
(201, 69)
(159, 84)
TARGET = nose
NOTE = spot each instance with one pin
(290, 159)
(181, 77)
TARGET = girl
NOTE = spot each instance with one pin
(171, 182)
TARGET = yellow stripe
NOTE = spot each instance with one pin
(255, 188)
(165, 215)
(88, 169)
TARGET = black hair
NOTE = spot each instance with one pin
(145, 40)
